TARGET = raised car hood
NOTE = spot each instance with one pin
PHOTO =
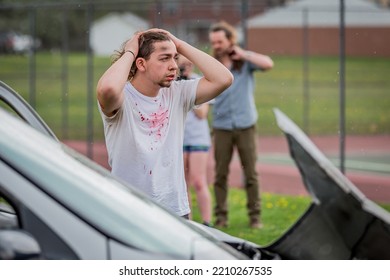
(341, 223)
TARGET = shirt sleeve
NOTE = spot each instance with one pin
(188, 90)
(110, 119)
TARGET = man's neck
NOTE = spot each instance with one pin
(145, 87)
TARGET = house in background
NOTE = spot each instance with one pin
(287, 27)
(110, 31)
(315, 24)
(190, 22)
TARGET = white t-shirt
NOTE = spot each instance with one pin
(197, 131)
(144, 141)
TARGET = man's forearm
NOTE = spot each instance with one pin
(211, 68)
(261, 60)
(216, 77)
(112, 82)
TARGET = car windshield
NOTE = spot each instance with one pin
(91, 192)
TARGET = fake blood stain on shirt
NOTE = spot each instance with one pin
(157, 122)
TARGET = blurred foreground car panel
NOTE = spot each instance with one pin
(75, 209)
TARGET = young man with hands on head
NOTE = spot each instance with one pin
(144, 108)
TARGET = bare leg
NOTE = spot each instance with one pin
(198, 174)
(186, 159)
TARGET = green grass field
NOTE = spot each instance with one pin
(367, 93)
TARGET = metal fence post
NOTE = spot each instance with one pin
(306, 97)
(90, 80)
(32, 60)
(64, 74)
(342, 86)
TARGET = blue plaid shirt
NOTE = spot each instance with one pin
(235, 107)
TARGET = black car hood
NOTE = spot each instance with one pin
(341, 223)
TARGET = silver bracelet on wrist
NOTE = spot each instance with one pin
(130, 51)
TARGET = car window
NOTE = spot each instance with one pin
(8, 218)
(10, 110)
(18, 217)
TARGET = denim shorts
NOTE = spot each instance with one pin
(190, 149)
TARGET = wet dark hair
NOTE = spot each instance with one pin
(146, 48)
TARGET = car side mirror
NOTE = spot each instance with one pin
(18, 245)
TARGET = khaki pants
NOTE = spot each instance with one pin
(224, 142)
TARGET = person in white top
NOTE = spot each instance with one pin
(144, 108)
(196, 145)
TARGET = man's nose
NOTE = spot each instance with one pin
(174, 64)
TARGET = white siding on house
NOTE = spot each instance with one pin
(109, 32)
(323, 13)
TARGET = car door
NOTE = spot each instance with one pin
(25, 207)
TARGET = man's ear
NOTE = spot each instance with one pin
(141, 64)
